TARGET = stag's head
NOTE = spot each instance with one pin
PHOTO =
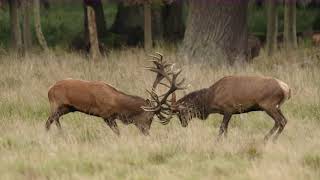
(163, 108)
(192, 106)
(185, 114)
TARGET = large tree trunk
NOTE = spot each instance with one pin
(272, 27)
(37, 24)
(93, 35)
(290, 30)
(26, 25)
(173, 21)
(147, 27)
(216, 31)
(16, 40)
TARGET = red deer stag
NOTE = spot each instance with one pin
(235, 95)
(102, 100)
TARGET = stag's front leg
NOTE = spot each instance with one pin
(113, 125)
(144, 130)
(224, 125)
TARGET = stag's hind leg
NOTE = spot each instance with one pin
(56, 114)
(277, 117)
(282, 124)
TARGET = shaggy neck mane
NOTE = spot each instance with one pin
(196, 100)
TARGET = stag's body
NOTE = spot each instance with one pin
(235, 95)
(98, 99)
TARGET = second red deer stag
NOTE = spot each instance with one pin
(235, 95)
(100, 99)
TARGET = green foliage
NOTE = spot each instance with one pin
(60, 24)
(63, 23)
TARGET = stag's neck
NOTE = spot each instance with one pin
(131, 107)
(197, 101)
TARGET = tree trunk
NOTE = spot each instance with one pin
(93, 35)
(290, 31)
(147, 27)
(157, 23)
(272, 27)
(16, 40)
(26, 25)
(129, 23)
(37, 24)
(173, 21)
(216, 31)
(99, 16)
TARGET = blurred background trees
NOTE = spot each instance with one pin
(216, 30)
(212, 31)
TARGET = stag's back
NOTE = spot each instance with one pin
(246, 92)
(94, 97)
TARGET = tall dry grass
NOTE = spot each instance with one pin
(87, 148)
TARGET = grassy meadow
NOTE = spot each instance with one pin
(88, 149)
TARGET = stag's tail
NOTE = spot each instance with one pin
(286, 91)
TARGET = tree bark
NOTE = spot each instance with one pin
(93, 35)
(272, 27)
(99, 16)
(26, 25)
(129, 23)
(157, 24)
(16, 40)
(216, 31)
(147, 27)
(173, 21)
(37, 24)
(290, 30)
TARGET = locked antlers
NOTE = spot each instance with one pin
(160, 105)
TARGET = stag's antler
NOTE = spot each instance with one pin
(161, 68)
(164, 70)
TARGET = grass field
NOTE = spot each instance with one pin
(87, 148)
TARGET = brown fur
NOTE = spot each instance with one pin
(316, 39)
(98, 99)
(235, 95)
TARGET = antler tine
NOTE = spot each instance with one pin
(164, 70)
(166, 118)
(168, 65)
(153, 95)
(161, 55)
(148, 109)
(163, 118)
(176, 74)
(179, 85)
(166, 85)
(156, 62)
(155, 57)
